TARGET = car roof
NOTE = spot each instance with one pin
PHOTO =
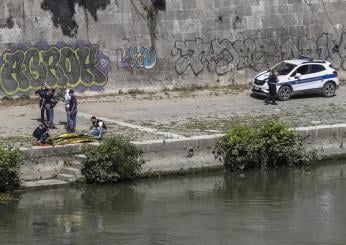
(294, 62)
(306, 61)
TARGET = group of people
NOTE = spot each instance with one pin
(47, 102)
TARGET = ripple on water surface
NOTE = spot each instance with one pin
(273, 207)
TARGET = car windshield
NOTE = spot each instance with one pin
(284, 68)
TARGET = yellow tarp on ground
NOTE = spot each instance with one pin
(65, 139)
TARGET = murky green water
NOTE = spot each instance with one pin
(277, 207)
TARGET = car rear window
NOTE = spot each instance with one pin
(316, 68)
(284, 68)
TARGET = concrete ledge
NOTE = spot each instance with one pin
(330, 133)
(41, 168)
(60, 150)
(178, 161)
(171, 155)
(200, 142)
(42, 183)
(327, 133)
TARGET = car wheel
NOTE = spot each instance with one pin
(329, 89)
(285, 93)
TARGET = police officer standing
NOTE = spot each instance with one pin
(272, 81)
(42, 93)
(49, 102)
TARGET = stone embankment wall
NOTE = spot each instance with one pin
(108, 45)
(173, 155)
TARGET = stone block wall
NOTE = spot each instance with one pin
(108, 45)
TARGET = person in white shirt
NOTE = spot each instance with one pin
(67, 98)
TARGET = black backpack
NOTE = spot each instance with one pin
(39, 131)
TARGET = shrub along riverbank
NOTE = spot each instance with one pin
(115, 159)
(10, 160)
(272, 144)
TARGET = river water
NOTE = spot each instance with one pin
(262, 208)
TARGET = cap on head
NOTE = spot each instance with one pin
(93, 117)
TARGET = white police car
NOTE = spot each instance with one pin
(302, 75)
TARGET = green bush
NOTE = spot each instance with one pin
(115, 159)
(272, 144)
(10, 159)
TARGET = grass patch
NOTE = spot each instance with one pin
(224, 124)
(198, 87)
(18, 101)
(17, 141)
(6, 198)
(342, 81)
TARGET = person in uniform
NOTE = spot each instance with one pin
(42, 93)
(41, 133)
(272, 81)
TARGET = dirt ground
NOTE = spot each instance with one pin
(170, 114)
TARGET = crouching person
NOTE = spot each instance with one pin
(98, 128)
(41, 133)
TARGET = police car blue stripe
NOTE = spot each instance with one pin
(313, 79)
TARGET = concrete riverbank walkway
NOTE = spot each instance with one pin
(175, 115)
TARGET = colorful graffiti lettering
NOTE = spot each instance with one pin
(25, 69)
(137, 58)
(225, 56)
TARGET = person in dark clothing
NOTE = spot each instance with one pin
(72, 112)
(49, 102)
(41, 133)
(41, 93)
(272, 81)
(98, 128)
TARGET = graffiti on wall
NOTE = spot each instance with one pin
(136, 58)
(26, 68)
(225, 56)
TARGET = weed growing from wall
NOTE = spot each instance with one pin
(151, 11)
